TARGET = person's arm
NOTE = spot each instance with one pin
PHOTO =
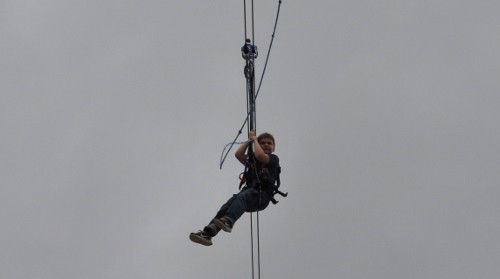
(259, 153)
(240, 153)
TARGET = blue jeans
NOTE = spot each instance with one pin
(248, 200)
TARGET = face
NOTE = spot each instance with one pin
(267, 145)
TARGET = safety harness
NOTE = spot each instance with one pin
(260, 182)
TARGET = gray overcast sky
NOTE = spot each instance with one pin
(114, 114)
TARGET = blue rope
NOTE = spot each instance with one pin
(223, 157)
(269, 49)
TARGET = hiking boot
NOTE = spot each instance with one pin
(224, 223)
(201, 237)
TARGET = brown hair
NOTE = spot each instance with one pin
(266, 136)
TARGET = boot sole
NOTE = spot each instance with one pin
(200, 240)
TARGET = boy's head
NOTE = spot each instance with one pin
(266, 139)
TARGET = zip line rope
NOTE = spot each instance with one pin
(250, 53)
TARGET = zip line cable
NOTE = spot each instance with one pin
(231, 144)
(249, 53)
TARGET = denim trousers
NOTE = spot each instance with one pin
(248, 200)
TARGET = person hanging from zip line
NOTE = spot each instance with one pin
(261, 173)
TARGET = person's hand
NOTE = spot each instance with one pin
(252, 135)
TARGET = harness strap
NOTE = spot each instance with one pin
(270, 189)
